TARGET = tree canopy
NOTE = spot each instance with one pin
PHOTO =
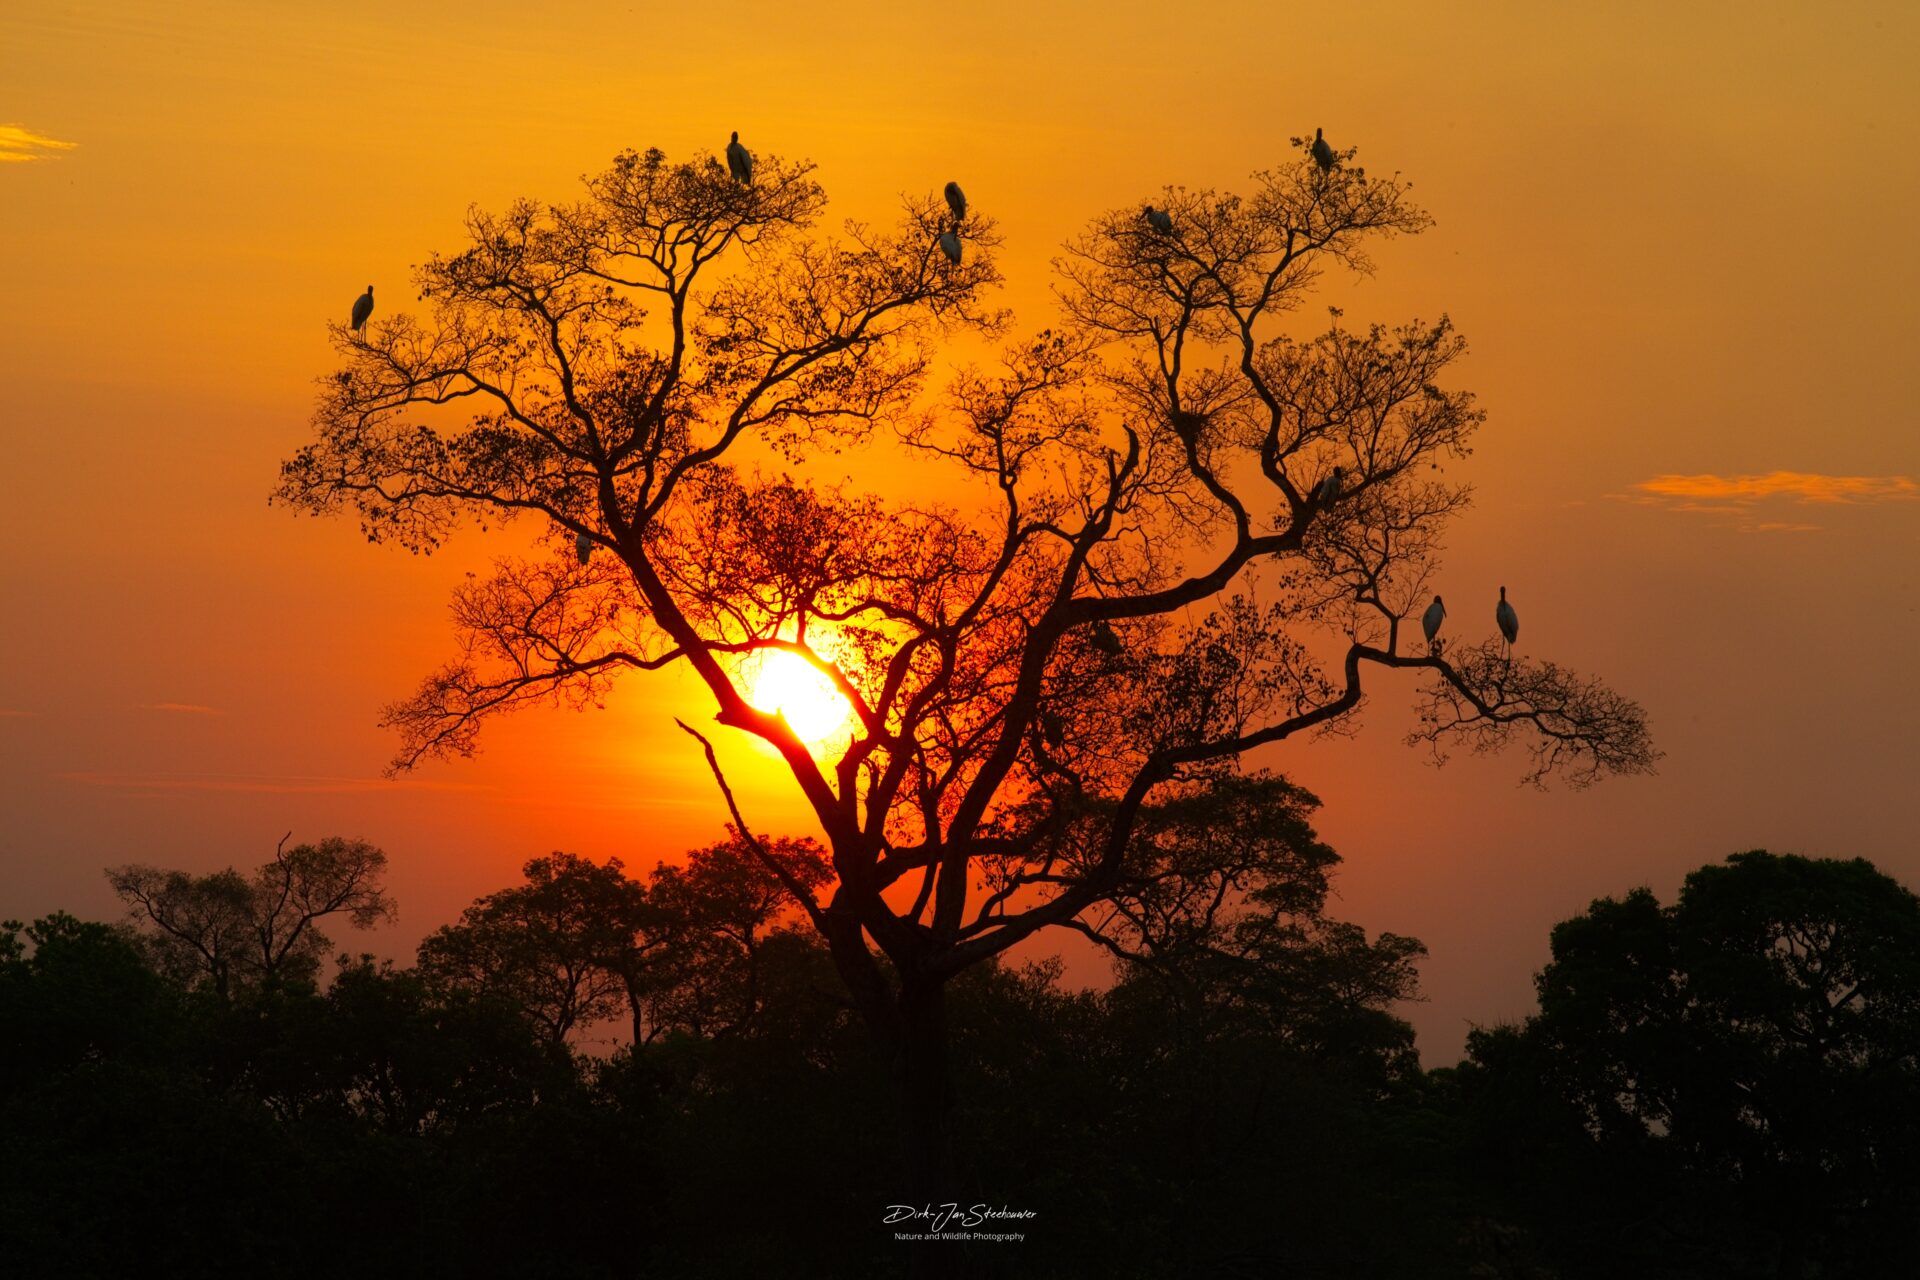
(1164, 531)
(228, 929)
(1737, 1075)
(1143, 470)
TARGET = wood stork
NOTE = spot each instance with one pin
(1329, 488)
(1430, 620)
(739, 161)
(1508, 620)
(362, 308)
(582, 547)
(956, 201)
(1159, 219)
(1322, 153)
(950, 245)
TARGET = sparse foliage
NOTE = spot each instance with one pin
(234, 931)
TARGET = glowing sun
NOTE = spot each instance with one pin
(788, 683)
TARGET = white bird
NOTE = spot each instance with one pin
(1159, 219)
(739, 160)
(950, 245)
(1329, 488)
(956, 201)
(1508, 620)
(1430, 620)
(362, 308)
(1322, 153)
(582, 547)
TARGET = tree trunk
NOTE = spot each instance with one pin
(926, 1088)
(926, 1095)
(910, 1023)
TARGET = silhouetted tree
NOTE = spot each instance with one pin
(1736, 1076)
(1221, 900)
(156, 1128)
(1059, 626)
(159, 1129)
(713, 916)
(565, 947)
(228, 929)
(71, 991)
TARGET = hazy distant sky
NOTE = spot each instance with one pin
(1679, 238)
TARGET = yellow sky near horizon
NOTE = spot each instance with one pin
(1677, 240)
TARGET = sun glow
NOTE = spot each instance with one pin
(789, 684)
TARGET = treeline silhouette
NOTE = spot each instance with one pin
(1721, 1087)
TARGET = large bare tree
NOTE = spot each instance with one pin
(1119, 565)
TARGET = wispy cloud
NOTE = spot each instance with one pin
(19, 143)
(181, 708)
(1801, 486)
(274, 784)
(1752, 502)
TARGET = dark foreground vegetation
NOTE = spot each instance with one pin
(1725, 1087)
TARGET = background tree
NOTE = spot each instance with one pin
(228, 929)
(1735, 1077)
(714, 913)
(1069, 637)
(566, 947)
(71, 991)
(1221, 903)
(155, 1128)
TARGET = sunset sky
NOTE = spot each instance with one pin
(1679, 240)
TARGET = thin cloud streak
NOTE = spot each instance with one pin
(1801, 486)
(8, 713)
(1740, 500)
(272, 784)
(19, 144)
(182, 708)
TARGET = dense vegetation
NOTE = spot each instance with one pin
(1723, 1087)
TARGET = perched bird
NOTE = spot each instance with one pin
(950, 245)
(1159, 219)
(1330, 487)
(1509, 620)
(582, 547)
(362, 308)
(1430, 620)
(1105, 640)
(956, 201)
(1322, 153)
(739, 160)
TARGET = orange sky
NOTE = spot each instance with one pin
(1679, 242)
